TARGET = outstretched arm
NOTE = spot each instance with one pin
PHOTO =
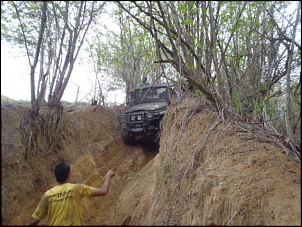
(105, 187)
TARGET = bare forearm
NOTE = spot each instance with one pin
(105, 187)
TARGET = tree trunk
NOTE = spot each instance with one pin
(289, 122)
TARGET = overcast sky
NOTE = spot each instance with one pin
(15, 75)
(15, 82)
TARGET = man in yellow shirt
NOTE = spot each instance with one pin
(62, 203)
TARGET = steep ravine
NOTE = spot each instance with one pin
(208, 172)
(205, 172)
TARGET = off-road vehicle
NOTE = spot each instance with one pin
(148, 106)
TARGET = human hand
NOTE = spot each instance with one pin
(111, 173)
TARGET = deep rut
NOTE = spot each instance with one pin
(127, 160)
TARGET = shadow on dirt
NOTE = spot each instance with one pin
(149, 144)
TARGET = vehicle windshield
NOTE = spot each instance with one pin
(149, 94)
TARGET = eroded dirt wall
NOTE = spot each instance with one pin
(89, 140)
(209, 172)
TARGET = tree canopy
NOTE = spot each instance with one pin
(244, 57)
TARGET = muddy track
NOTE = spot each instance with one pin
(91, 169)
(127, 160)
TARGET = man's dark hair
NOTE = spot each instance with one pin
(62, 170)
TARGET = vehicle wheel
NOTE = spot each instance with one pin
(127, 138)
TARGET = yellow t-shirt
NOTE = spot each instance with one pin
(62, 204)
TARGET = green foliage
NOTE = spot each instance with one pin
(47, 41)
(191, 66)
(187, 21)
(272, 109)
(198, 92)
(238, 41)
(236, 101)
(125, 55)
(183, 7)
(258, 105)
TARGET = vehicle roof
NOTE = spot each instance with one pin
(155, 85)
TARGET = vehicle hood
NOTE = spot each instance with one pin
(150, 106)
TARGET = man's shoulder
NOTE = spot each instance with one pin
(82, 186)
(60, 187)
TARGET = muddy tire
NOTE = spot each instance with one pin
(127, 138)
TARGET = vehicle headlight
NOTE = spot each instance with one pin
(149, 115)
(133, 118)
(139, 117)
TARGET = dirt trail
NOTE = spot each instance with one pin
(91, 170)
(207, 172)
(128, 162)
(90, 142)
